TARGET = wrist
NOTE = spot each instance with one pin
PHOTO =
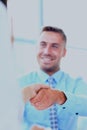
(61, 97)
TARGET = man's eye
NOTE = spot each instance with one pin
(42, 44)
(55, 46)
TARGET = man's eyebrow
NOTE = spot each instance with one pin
(42, 41)
(56, 43)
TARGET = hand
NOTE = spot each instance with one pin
(35, 127)
(47, 97)
(31, 91)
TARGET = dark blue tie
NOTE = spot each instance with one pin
(53, 110)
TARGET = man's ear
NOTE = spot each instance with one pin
(64, 52)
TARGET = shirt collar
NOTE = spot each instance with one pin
(57, 75)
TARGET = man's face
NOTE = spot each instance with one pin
(51, 50)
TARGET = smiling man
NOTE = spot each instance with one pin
(58, 106)
(51, 50)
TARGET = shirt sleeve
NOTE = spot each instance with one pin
(77, 100)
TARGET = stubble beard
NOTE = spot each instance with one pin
(50, 70)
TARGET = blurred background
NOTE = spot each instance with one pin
(28, 16)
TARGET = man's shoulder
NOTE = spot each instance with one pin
(27, 79)
(71, 78)
(29, 74)
(74, 80)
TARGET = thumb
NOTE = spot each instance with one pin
(37, 87)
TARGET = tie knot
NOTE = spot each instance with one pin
(51, 81)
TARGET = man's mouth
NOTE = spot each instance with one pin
(46, 60)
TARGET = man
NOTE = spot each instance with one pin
(67, 96)
(11, 105)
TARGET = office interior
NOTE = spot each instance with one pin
(27, 17)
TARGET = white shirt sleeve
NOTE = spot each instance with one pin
(10, 93)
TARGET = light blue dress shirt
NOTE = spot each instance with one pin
(68, 113)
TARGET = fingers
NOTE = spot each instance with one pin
(41, 100)
(37, 87)
(38, 97)
(32, 90)
(35, 127)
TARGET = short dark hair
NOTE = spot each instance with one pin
(55, 29)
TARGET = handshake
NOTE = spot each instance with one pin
(29, 93)
(42, 96)
(32, 90)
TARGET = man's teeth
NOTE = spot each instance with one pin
(47, 59)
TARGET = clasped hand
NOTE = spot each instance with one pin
(46, 97)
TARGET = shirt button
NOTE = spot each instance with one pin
(77, 113)
(64, 107)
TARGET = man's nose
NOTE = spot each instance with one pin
(47, 50)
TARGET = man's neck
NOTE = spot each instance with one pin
(49, 72)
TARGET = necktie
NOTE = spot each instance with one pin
(53, 109)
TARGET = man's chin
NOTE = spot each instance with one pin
(46, 66)
(47, 69)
